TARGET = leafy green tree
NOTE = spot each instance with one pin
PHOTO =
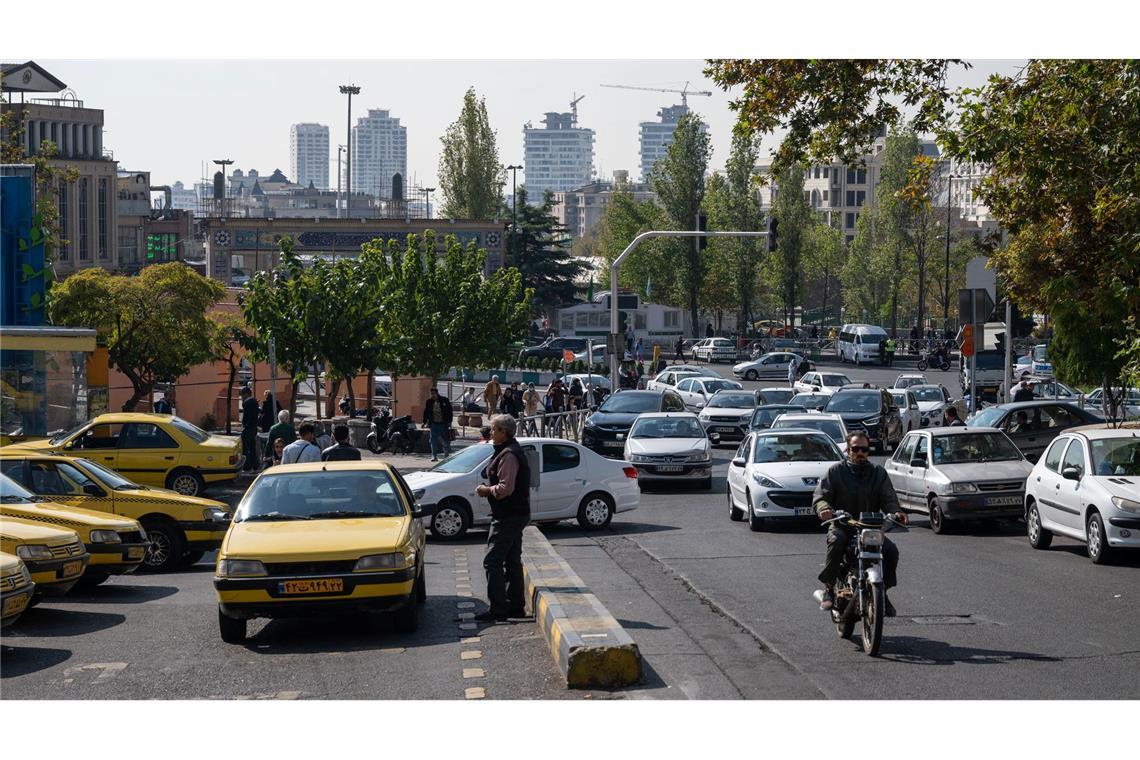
(542, 247)
(868, 273)
(470, 174)
(652, 262)
(824, 255)
(742, 213)
(679, 181)
(155, 324)
(795, 217)
(229, 342)
(719, 293)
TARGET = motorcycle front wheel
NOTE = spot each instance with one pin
(873, 611)
(921, 364)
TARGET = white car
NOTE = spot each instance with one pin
(780, 395)
(908, 408)
(599, 354)
(667, 379)
(1130, 409)
(567, 481)
(933, 401)
(907, 380)
(830, 424)
(1087, 486)
(774, 474)
(728, 415)
(669, 446)
(694, 368)
(813, 402)
(696, 391)
(598, 381)
(715, 350)
(821, 382)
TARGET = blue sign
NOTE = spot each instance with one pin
(23, 270)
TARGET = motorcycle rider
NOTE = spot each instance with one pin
(856, 486)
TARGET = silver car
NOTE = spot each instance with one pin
(959, 473)
(769, 366)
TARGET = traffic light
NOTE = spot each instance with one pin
(772, 239)
(703, 226)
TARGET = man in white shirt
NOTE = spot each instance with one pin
(303, 449)
(792, 366)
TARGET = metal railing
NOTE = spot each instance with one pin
(566, 425)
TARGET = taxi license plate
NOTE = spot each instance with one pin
(724, 429)
(1001, 501)
(669, 468)
(804, 511)
(316, 586)
(614, 444)
(70, 568)
(15, 605)
(136, 552)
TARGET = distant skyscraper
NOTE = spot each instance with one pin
(379, 152)
(656, 137)
(309, 155)
(558, 157)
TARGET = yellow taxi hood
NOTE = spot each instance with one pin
(68, 517)
(13, 528)
(315, 540)
(153, 495)
(40, 446)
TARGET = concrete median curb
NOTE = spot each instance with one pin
(588, 644)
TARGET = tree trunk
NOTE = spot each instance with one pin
(922, 294)
(351, 396)
(230, 397)
(293, 398)
(136, 396)
(317, 389)
(330, 403)
(371, 387)
(895, 296)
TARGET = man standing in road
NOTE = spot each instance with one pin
(951, 418)
(508, 491)
(303, 449)
(1023, 392)
(342, 450)
(890, 347)
(680, 348)
(249, 414)
(793, 365)
(437, 416)
(270, 408)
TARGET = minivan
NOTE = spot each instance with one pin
(859, 343)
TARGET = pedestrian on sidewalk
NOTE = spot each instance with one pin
(283, 429)
(679, 348)
(890, 348)
(249, 414)
(304, 449)
(532, 400)
(269, 411)
(508, 492)
(165, 405)
(437, 416)
(467, 400)
(322, 437)
(342, 450)
(639, 350)
(492, 392)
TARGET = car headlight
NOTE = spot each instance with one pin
(33, 551)
(766, 482)
(418, 493)
(25, 576)
(213, 514)
(638, 458)
(871, 421)
(1128, 505)
(142, 533)
(105, 537)
(963, 488)
(389, 561)
(240, 568)
(702, 456)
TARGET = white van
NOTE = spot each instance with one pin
(859, 343)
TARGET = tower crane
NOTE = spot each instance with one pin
(684, 92)
(574, 109)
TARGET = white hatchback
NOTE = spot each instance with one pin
(1087, 486)
(567, 481)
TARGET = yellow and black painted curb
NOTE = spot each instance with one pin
(588, 644)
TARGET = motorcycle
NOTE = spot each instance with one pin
(402, 435)
(378, 437)
(937, 359)
(860, 595)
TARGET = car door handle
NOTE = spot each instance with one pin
(1038, 478)
(169, 458)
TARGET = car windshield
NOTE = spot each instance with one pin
(59, 438)
(191, 431)
(1116, 456)
(466, 459)
(763, 416)
(110, 478)
(854, 402)
(776, 395)
(835, 380)
(631, 403)
(11, 491)
(928, 394)
(795, 447)
(321, 495)
(712, 386)
(987, 417)
(732, 401)
(667, 427)
(973, 447)
(810, 400)
(831, 428)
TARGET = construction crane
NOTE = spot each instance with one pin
(684, 92)
(574, 109)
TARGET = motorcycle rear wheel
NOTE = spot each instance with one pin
(873, 612)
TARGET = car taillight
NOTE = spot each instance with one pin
(233, 458)
(630, 472)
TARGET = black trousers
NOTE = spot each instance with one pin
(506, 591)
(249, 448)
(837, 538)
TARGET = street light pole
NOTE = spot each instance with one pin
(349, 90)
(514, 170)
(427, 191)
(339, 150)
(946, 303)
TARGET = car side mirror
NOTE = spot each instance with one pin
(417, 510)
(738, 462)
(93, 490)
(1071, 473)
(68, 445)
(918, 462)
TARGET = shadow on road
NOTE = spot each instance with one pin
(573, 530)
(21, 661)
(120, 593)
(48, 621)
(641, 625)
(915, 650)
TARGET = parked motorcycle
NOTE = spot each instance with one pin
(859, 593)
(402, 435)
(378, 436)
(937, 359)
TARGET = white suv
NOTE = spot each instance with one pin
(715, 350)
(1086, 486)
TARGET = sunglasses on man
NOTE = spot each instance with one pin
(864, 449)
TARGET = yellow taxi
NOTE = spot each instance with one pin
(54, 556)
(152, 449)
(179, 529)
(16, 588)
(310, 538)
(116, 544)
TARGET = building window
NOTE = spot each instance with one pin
(64, 222)
(860, 197)
(850, 197)
(672, 319)
(84, 214)
(104, 249)
(128, 246)
(825, 195)
(850, 239)
(826, 171)
(850, 221)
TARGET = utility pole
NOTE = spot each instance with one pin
(514, 170)
(349, 90)
(946, 304)
(339, 150)
(427, 191)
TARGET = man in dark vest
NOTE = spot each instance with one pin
(508, 491)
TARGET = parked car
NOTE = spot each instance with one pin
(830, 425)
(553, 348)
(1130, 409)
(568, 481)
(774, 474)
(907, 403)
(908, 379)
(769, 366)
(821, 382)
(314, 538)
(669, 447)
(600, 356)
(694, 368)
(1032, 425)
(668, 379)
(179, 529)
(782, 395)
(696, 391)
(16, 588)
(812, 402)
(728, 415)
(763, 416)
(152, 449)
(872, 409)
(605, 430)
(959, 473)
(933, 401)
(1087, 487)
(715, 350)
(55, 557)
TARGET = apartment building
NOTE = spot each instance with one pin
(558, 157)
(657, 136)
(580, 209)
(309, 155)
(379, 153)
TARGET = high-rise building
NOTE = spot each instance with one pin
(656, 136)
(309, 154)
(379, 153)
(558, 157)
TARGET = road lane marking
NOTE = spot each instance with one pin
(475, 692)
(108, 671)
(471, 654)
(474, 673)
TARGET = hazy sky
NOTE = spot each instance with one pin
(170, 116)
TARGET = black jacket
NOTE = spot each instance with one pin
(269, 414)
(518, 503)
(1023, 394)
(249, 414)
(430, 405)
(855, 489)
(340, 452)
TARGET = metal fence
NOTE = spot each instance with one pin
(566, 425)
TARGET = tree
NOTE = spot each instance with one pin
(824, 254)
(719, 293)
(652, 261)
(679, 181)
(868, 272)
(896, 211)
(470, 175)
(743, 214)
(795, 217)
(229, 342)
(155, 324)
(543, 255)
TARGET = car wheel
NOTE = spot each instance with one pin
(750, 375)
(735, 513)
(233, 631)
(191, 558)
(408, 617)
(595, 511)
(186, 482)
(451, 520)
(755, 523)
(421, 586)
(937, 519)
(1039, 537)
(1097, 540)
(91, 580)
(166, 548)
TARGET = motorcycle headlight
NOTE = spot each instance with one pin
(105, 537)
(766, 482)
(872, 538)
(963, 488)
(213, 514)
(1128, 505)
(240, 568)
(418, 493)
(389, 561)
(702, 456)
(33, 551)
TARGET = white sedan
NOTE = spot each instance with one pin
(821, 382)
(830, 424)
(696, 391)
(567, 481)
(728, 415)
(670, 447)
(667, 379)
(933, 401)
(774, 474)
(909, 410)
